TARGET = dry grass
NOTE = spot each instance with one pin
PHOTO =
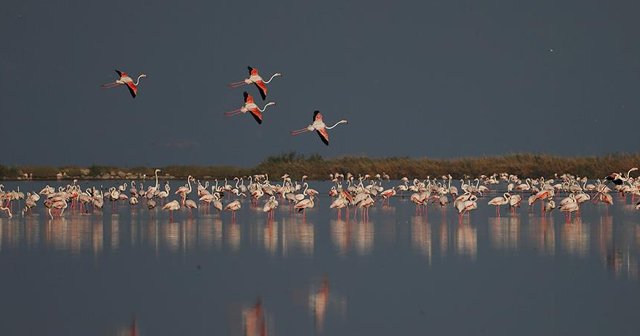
(318, 168)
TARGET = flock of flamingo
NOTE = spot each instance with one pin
(249, 105)
(347, 192)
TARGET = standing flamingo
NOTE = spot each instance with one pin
(319, 126)
(171, 206)
(255, 78)
(125, 80)
(251, 107)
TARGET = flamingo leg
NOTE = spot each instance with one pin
(110, 85)
(300, 131)
(232, 113)
(237, 84)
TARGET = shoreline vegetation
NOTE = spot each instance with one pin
(318, 168)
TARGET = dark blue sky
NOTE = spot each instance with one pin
(414, 78)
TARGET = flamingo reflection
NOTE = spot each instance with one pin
(321, 299)
(253, 320)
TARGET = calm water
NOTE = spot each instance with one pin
(397, 274)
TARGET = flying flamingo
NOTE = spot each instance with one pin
(254, 78)
(125, 80)
(250, 106)
(319, 126)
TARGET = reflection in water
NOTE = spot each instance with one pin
(444, 237)
(232, 236)
(270, 237)
(575, 237)
(129, 330)
(254, 322)
(466, 240)
(616, 246)
(318, 299)
(205, 235)
(346, 235)
(32, 231)
(605, 237)
(74, 235)
(421, 236)
(170, 232)
(97, 238)
(542, 235)
(340, 235)
(321, 299)
(297, 233)
(504, 232)
(364, 237)
(115, 232)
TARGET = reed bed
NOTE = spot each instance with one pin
(318, 168)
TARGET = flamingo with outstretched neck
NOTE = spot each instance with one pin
(251, 107)
(319, 126)
(254, 78)
(125, 80)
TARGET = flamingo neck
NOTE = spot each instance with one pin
(265, 107)
(138, 80)
(274, 75)
(336, 124)
(156, 179)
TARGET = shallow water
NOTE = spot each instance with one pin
(396, 274)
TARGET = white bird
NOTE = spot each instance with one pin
(305, 204)
(499, 201)
(171, 206)
(270, 206)
(233, 207)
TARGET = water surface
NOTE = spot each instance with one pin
(396, 274)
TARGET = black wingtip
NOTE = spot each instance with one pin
(245, 94)
(262, 93)
(258, 120)
(326, 141)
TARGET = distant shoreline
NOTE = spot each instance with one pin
(319, 168)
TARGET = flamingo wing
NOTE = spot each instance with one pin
(252, 71)
(262, 88)
(256, 114)
(121, 73)
(133, 89)
(324, 135)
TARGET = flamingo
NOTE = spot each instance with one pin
(251, 107)
(304, 204)
(8, 210)
(216, 201)
(125, 80)
(498, 201)
(319, 126)
(254, 78)
(342, 201)
(190, 204)
(171, 206)
(549, 205)
(270, 206)
(233, 207)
